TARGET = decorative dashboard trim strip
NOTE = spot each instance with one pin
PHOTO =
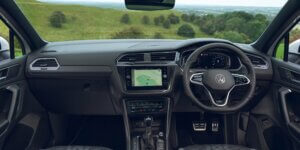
(266, 66)
(44, 68)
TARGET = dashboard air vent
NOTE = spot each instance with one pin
(163, 56)
(44, 64)
(257, 61)
(132, 58)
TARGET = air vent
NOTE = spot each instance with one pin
(132, 58)
(163, 56)
(44, 64)
(258, 62)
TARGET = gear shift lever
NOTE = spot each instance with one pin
(148, 138)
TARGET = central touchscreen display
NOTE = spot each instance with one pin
(146, 77)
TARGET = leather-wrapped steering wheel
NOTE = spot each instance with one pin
(219, 83)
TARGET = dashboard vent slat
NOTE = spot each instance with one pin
(44, 64)
(257, 61)
(163, 56)
(132, 58)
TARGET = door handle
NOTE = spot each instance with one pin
(289, 75)
(2, 78)
(295, 80)
(3, 74)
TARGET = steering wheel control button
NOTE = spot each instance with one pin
(240, 79)
(197, 78)
(199, 126)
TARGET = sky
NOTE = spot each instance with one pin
(258, 3)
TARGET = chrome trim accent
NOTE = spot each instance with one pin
(243, 76)
(148, 55)
(195, 82)
(123, 55)
(259, 66)
(199, 129)
(2, 78)
(227, 95)
(43, 68)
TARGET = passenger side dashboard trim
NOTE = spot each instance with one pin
(44, 68)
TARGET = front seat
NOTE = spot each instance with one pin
(216, 147)
(77, 148)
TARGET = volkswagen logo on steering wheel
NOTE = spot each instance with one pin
(220, 79)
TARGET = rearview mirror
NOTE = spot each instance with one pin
(149, 4)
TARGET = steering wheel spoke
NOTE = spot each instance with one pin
(219, 100)
(240, 79)
(197, 78)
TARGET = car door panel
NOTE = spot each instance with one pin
(271, 119)
(287, 85)
(12, 90)
(290, 111)
(286, 73)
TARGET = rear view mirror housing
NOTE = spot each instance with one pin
(149, 4)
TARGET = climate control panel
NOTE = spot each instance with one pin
(146, 107)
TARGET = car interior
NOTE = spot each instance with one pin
(149, 94)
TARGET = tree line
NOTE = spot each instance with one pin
(236, 26)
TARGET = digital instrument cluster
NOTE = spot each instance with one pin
(212, 60)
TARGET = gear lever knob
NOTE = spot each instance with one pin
(148, 121)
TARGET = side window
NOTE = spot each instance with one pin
(10, 45)
(288, 49)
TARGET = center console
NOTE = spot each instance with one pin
(147, 123)
(146, 90)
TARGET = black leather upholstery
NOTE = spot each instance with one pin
(77, 148)
(216, 147)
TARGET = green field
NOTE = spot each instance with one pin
(85, 22)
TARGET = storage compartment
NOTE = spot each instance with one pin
(74, 96)
(5, 102)
(292, 104)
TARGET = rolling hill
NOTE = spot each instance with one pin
(85, 22)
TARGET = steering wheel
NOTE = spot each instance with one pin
(219, 83)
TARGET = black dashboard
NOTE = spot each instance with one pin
(105, 72)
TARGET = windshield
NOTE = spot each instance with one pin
(235, 20)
